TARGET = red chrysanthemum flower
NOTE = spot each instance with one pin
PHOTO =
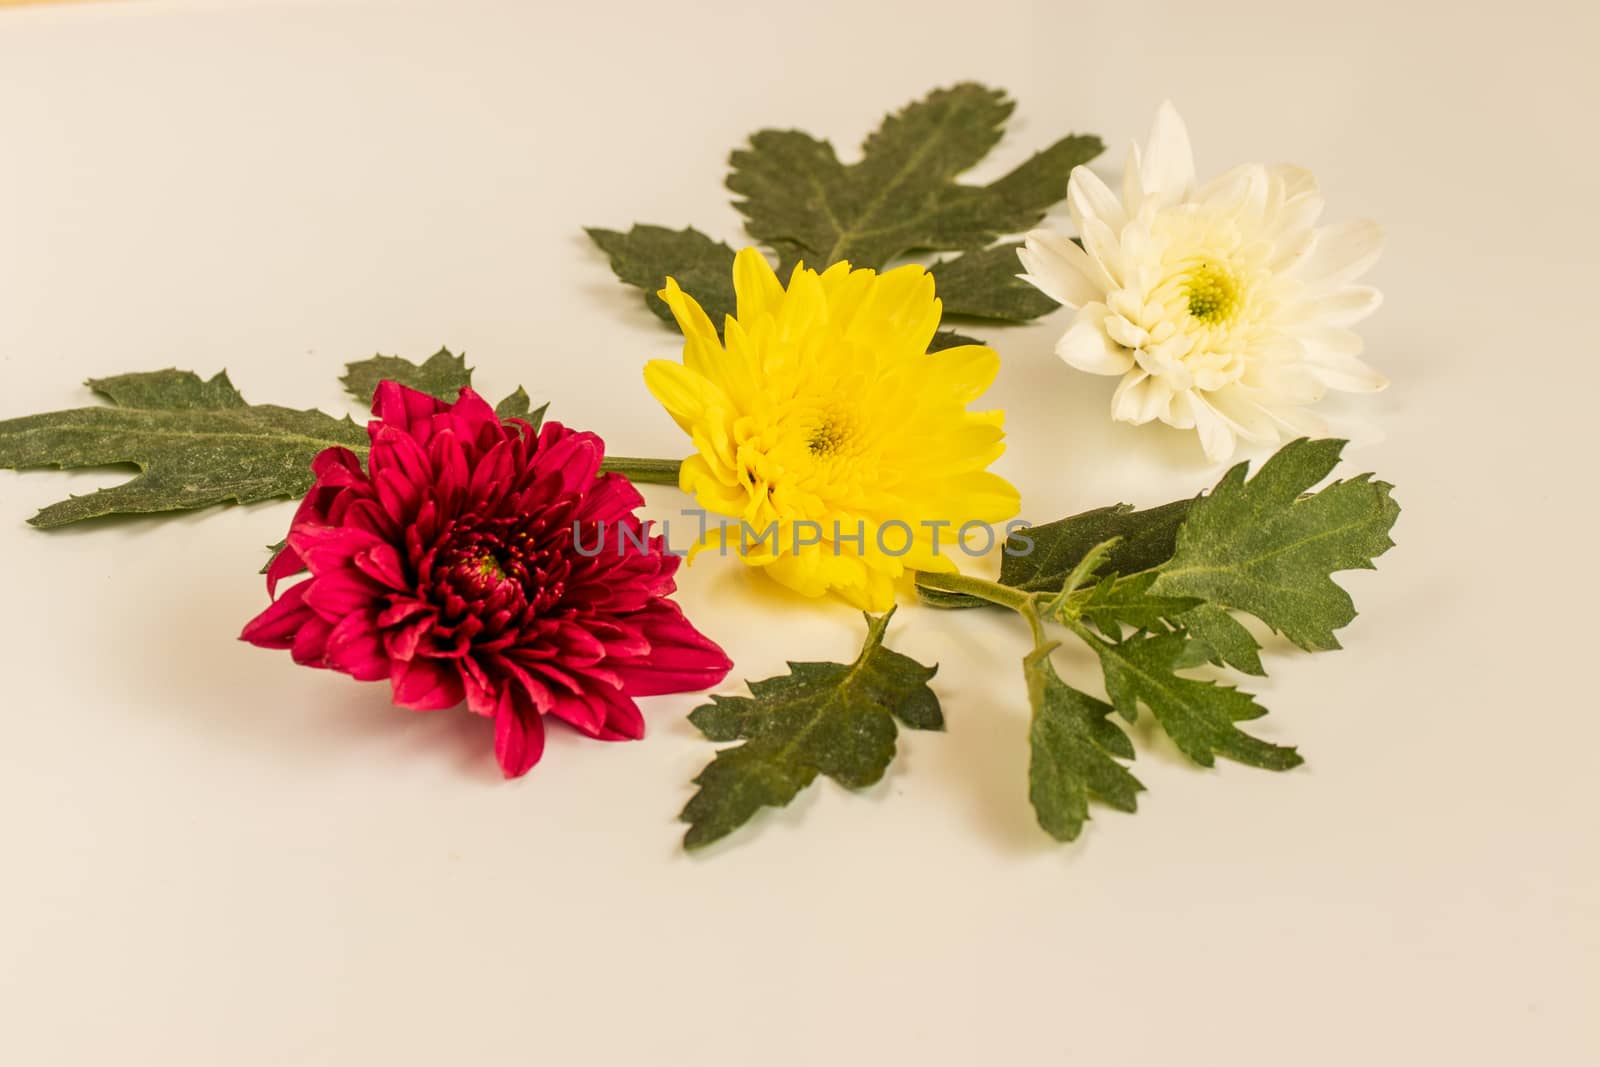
(450, 567)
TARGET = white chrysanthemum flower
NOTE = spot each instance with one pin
(1224, 307)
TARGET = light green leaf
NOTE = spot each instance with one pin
(1073, 744)
(821, 718)
(1259, 546)
(196, 442)
(902, 196)
(1198, 715)
(442, 375)
(646, 255)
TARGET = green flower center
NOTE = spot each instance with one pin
(1214, 295)
(827, 437)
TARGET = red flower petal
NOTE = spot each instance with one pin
(518, 733)
(276, 627)
(339, 593)
(354, 647)
(425, 685)
(381, 563)
(681, 658)
(310, 648)
(404, 409)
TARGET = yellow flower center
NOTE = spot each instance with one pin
(488, 567)
(1214, 294)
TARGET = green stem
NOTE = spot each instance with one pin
(1030, 611)
(650, 471)
(982, 588)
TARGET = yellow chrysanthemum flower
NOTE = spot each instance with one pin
(826, 427)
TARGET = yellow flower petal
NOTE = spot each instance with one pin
(758, 290)
(700, 344)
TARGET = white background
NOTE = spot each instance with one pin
(215, 857)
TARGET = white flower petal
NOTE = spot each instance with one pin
(1240, 191)
(1061, 270)
(1292, 181)
(1102, 244)
(1216, 433)
(1128, 400)
(1089, 197)
(1125, 333)
(1132, 189)
(1344, 307)
(1244, 411)
(1141, 398)
(1140, 265)
(1340, 254)
(1297, 421)
(1295, 384)
(1181, 414)
(1086, 346)
(1167, 172)
(1292, 209)
(1332, 355)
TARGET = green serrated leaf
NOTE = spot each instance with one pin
(902, 196)
(1039, 559)
(821, 718)
(983, 284)
(1073, 743)
(1261, 547)
(950, 339)
(1230, 644)
(515, 405)
(518, 406)
(272, 554)
(1144, 539)
(1114, 602)
(196, 442)
(1198, 715)
(646, 255)
(442, 375)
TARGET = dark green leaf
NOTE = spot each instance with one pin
(518, 406)
(950, 339)
(1073, 742)
(272, 554)
(442, 375)
(902, 196)
(1199, 716)
(984, 285)
(196, 442)
(1114, 602)
(1145, 539)
(646, 255)
(1259, 546)
(1038, 559)
(1230, 643)
(820, 718)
